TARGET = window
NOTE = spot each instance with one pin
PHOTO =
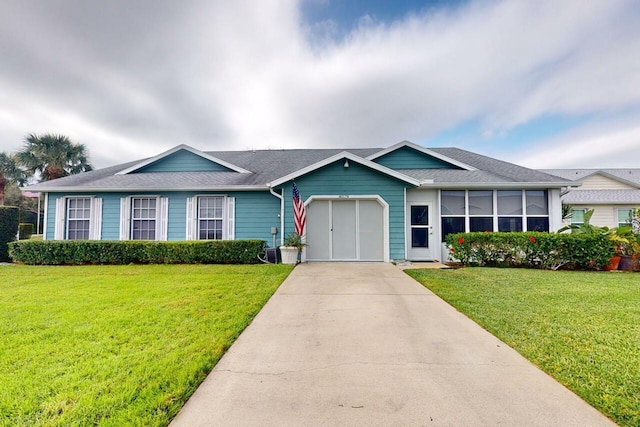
(577, 216)
(510, 205)
(481, 210)
(78, 218)
(210, 217)
(490, 210)
(452, 202)
(452, 209)
(143, 218)
(624, 217)
(452, 226)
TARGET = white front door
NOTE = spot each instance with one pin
(420, 238)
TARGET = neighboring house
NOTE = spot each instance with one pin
(611, 193)
(366, 204)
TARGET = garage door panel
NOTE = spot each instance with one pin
(318, 230)
(344, 229)
(370, 214)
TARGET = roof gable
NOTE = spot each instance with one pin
(182, 159)
(604, 181)
(407, 155)
(409, 158)
(347, 157)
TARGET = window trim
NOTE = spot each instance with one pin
(68, 219)
(223, 218)
(161, 219)
(61, 232)
(628, 221)
(133, 219)
(584, 211)
(192, 229)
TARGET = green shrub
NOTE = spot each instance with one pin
(56, 252)
(26, 230)
(532, 250)
(8, 229)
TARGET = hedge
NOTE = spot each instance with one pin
(75, 252)
(531, 250)
(8, 229)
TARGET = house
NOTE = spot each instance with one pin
(366, 204)
(611, 193)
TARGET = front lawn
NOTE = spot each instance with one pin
(118, 345)
(583, 328)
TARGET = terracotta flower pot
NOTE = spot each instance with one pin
(613, 263)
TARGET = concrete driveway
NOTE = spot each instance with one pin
(364, 344)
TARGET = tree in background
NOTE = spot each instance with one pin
(10, 174)
(52, 156)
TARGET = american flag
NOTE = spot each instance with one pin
(299, 214)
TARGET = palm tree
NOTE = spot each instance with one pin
(10, 173)
(53, 156)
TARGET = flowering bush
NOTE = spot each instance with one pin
(531, 250)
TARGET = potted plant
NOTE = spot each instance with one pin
(627, 245)
(290, 248)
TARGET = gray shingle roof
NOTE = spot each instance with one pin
(602, 197)
(268, 165)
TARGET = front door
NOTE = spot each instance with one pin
(419, 232)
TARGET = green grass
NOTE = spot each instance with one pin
(118, 345)
(583, 328)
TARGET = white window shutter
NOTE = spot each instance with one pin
(231, 218)
(61, 211)
(125, 215)
(162, 218)
(192, 218)
(95, 223)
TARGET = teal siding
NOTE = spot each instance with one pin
(408, 158)
(183, 161)
(256, 212)
(50, 215)
(334, 179)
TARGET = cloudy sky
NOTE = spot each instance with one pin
(540, 83)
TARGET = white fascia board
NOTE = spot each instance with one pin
(351, 157)
(138, 189)
(187, 148)
(422, 150)
(499, 185)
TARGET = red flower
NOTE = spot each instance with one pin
(532, 239)
(452, 250)
(591, 262)
(460, 240)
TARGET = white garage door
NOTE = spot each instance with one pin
(345, 230)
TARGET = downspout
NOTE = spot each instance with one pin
(281, 197)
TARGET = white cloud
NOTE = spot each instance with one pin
(612, 143)
(132, 79)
